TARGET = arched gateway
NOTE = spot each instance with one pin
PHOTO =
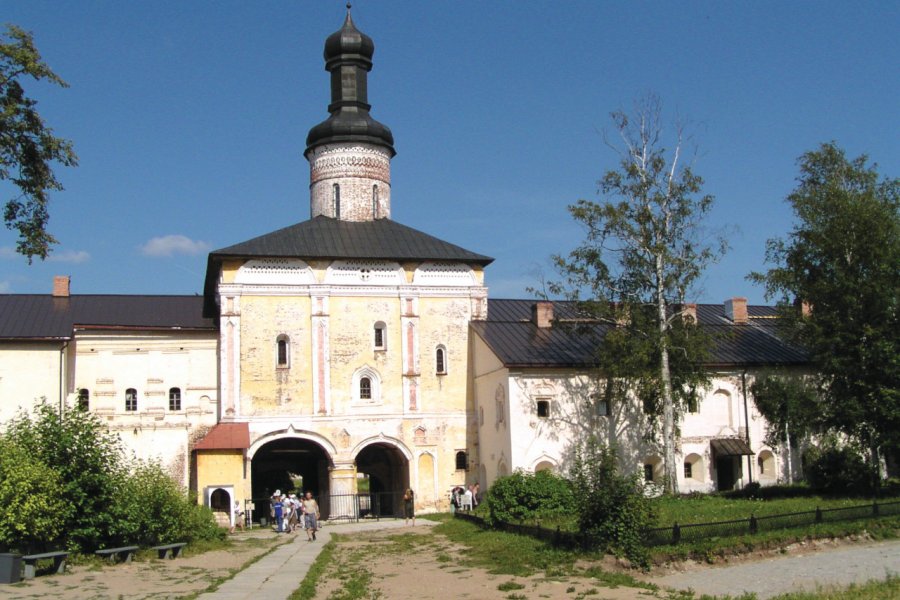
(382, 467)
(297, 461)
(290, 462)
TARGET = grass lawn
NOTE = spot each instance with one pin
(708, 508)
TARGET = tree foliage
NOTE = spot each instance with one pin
(525, 497)
(89, 462)
(69, 469)
(645, 248)
(28, 147)
(788, 403)
(837, 468)
(841, 259)
(157, 511)
(31, 509)
(612, 510)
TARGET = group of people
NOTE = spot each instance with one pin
(289, 513)
(462, 498)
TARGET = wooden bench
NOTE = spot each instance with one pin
(126, 552)
(59, 562)
(170, 550)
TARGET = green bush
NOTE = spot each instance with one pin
(156, 510)
(613, 513)
(31, 511)
(96, 497)
(89, 463)
(526, 497)
(837, 469)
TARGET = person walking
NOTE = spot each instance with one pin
(278, 511)
(238, 517)
(409, 507)
(311, 508)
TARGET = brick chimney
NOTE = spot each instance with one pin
(61, 286)
(690, 312)
(805, 309)
(542, 314)
(736, 310)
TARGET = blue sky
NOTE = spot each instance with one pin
(190, 120)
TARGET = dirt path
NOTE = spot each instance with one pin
(806, 569)
(151, 578)
(418, 564)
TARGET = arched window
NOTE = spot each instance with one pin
(366, 386)
(336, 200)
(693, 468)
(175, 398)
(462, 460)
(375, 201)
(131, 400)
(84, 399)
(380, 337)
(283, 352)
(440, 360)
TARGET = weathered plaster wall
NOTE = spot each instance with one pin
(29, 371)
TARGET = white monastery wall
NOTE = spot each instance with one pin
(107, 364)
(29, 371)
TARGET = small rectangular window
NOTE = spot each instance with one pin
(175, 399)
(282, 353)
(692, 405)
(379, 336)
(131, 400)
(543, 408)
(84, 399)
(462, 460)
(440, 361)
(648, 472)
(688, 470)
(602, 408)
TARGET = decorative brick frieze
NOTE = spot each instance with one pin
(363, 176)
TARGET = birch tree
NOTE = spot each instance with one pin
(644, 250)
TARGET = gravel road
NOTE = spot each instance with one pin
(790, 573)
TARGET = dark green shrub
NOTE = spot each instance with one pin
(613, 513)
(30, 508)
(89, 463)
(156, 510)
(527, 497)
(837, 469)
(95, 497)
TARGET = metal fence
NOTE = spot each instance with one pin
(350, 507)
(752, 525)
(693, 532)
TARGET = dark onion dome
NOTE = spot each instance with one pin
(348, 57)
(348, 40)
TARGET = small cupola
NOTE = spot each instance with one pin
(350, 153)
(348, 57)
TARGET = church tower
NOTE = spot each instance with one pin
(350, 153)
(344, 338)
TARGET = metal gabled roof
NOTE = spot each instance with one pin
(42, 316)
(324, 238)
(519, 343)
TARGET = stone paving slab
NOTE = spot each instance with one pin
(276, 575)
(779, 575)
